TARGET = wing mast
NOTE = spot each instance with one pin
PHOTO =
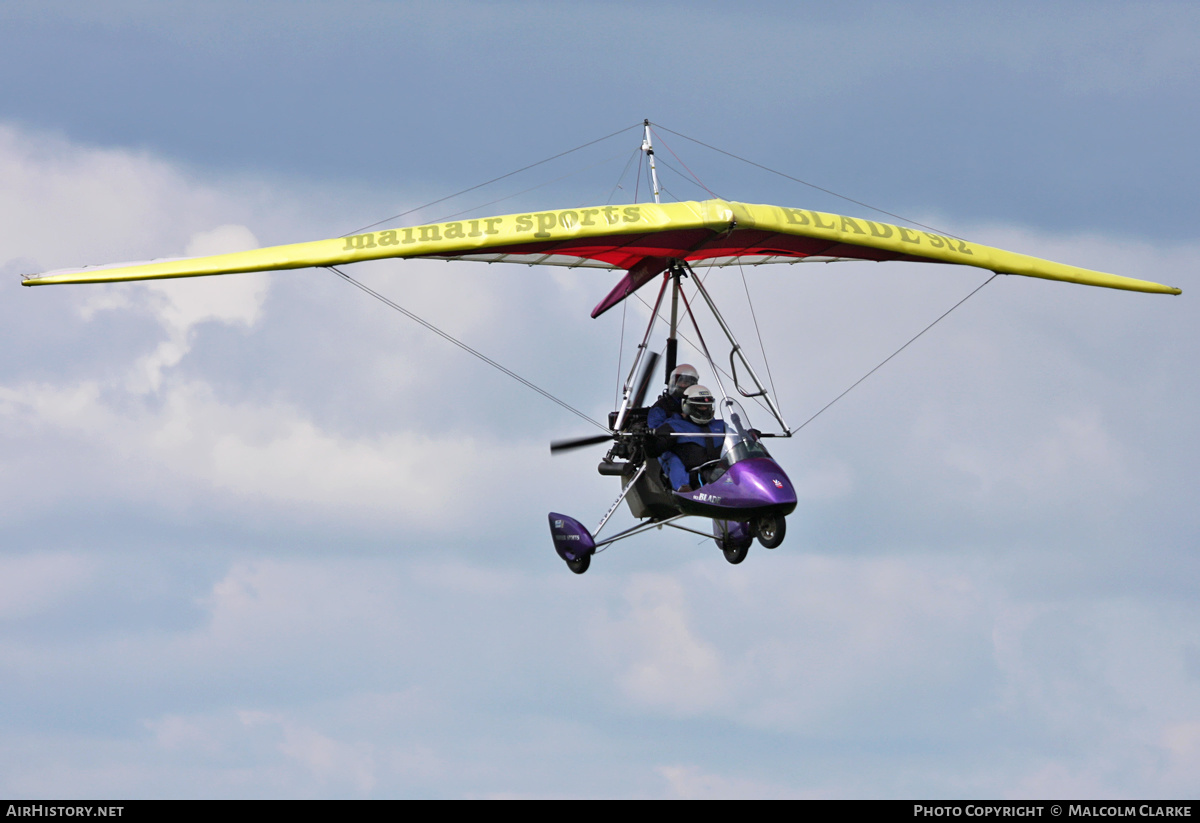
(673, 272)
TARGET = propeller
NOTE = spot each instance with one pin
(636, 402)
(644, 382)
(557, 446)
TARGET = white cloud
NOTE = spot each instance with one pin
(177, 733)
(662, 663)
(1182, 742)
(299, 657)
(64, 205)
(249, 454)
(325, 759)
(160, 436)
(1075, 456)
(180, 305)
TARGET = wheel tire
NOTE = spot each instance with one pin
(770, 530)
(735, 554)
(580, 564)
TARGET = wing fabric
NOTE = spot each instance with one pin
(641, 239)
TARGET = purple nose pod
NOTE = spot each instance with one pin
(571, 540)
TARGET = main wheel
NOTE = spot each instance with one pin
(735, 554)
(770, 530)
(580, 564)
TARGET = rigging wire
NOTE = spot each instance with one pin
(754, 317)
(758, 401)
(806, 183)
(685, 165)
(662, 188)
(494, 180)
(624, 172)
(896, 352)
(704, 278)
(637, 185)
(687, 308)
(853, 386)
(683, 176)
(392, 304)
(445, 217)
(620, 355)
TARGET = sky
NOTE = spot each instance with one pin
(262, 537)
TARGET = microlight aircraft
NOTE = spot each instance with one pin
(745, 493)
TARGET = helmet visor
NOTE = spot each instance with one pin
(681, 382)
(698, 409)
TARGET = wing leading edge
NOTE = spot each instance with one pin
(641, 239)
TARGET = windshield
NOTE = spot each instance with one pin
(740, 444)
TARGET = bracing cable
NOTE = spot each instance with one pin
(896, 352)
(445, 335)
(493, 180)
(806, 183)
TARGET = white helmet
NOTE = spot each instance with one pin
(698, 404)
(682, 377)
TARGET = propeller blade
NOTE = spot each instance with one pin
(578, 443)
(644, 383)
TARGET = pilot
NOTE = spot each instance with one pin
(670, 402)
(683, 455)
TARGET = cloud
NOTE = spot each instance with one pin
(34, 584)
(376, 677)
(324, 758)
(181, 305)
(162, 422)
(662, 662)
(66, 205)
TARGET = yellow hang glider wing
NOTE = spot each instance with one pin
(641, 239)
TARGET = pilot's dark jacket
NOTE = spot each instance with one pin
(681, 455)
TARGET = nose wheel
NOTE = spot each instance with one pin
(770, 530)
(733, 538)
(735, 554)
